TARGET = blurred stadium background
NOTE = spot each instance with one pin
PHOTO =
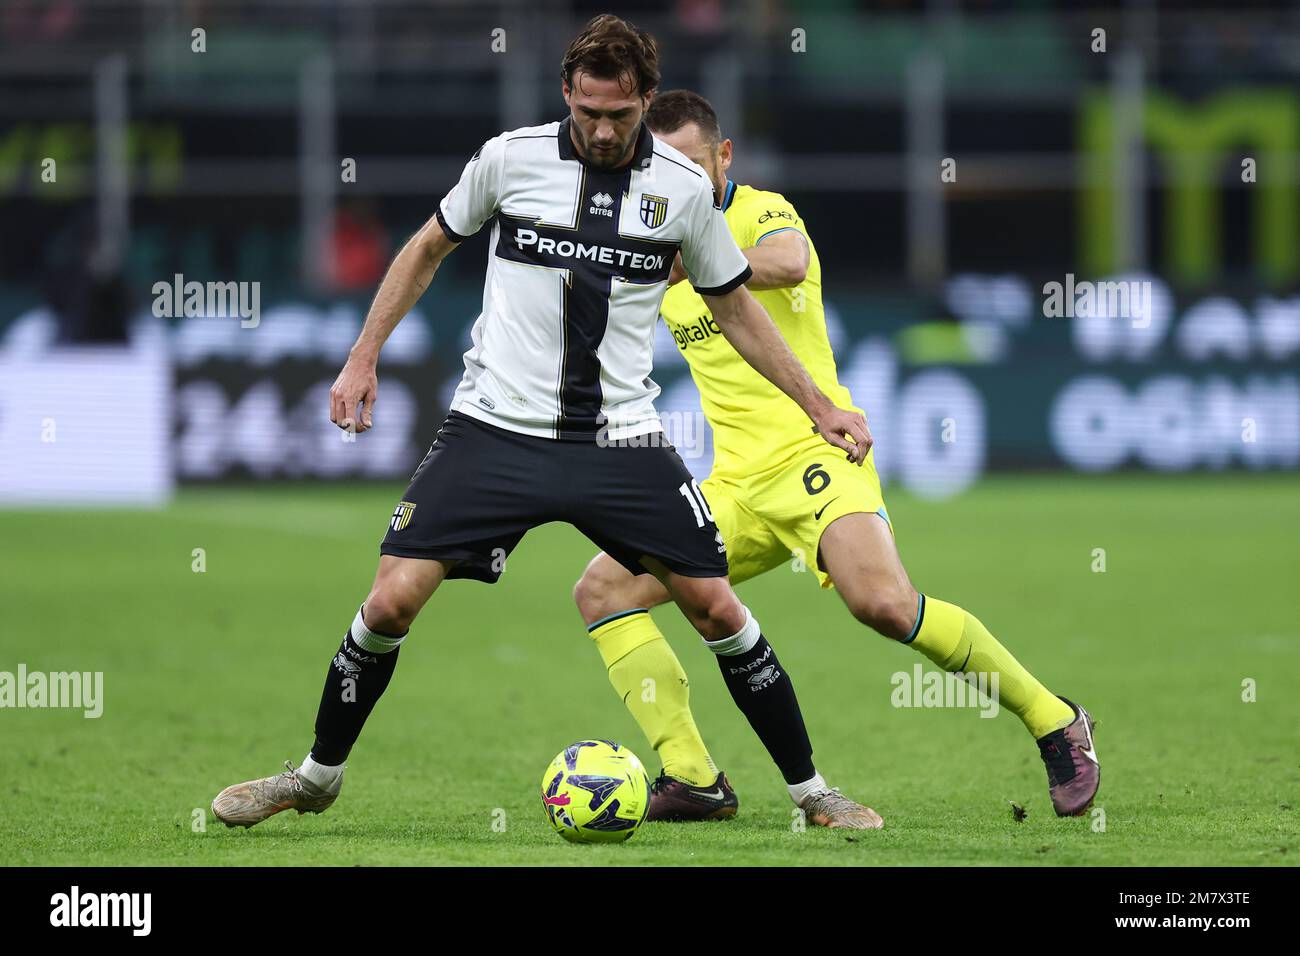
(134, 149)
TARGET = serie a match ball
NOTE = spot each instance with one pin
(595, 791)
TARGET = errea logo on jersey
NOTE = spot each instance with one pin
(600, 204)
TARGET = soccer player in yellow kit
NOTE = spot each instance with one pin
(775, 491)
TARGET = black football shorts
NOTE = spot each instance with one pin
(481, 488)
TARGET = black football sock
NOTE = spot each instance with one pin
(765, 694)
(356, 679)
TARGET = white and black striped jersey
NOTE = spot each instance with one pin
(578, 264)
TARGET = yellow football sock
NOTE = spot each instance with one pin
(647, 675)
(956, 640)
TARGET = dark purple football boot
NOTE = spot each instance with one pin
(1073, 773)
(676, 801)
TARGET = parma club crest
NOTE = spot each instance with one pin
(654, 210)
(402, 515)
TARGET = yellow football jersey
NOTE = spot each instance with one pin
(755, 425)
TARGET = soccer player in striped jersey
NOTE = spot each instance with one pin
(554, 419)
(774, 491)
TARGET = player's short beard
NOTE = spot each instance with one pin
(607, 159)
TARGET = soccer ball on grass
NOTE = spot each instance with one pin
(595, 791)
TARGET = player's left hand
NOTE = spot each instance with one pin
(847, 430)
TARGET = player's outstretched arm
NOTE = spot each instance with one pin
(407, 278)
(753, 334)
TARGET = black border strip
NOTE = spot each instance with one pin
(728, 286)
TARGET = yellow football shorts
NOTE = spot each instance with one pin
(778, 515)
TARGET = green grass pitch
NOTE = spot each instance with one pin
(213, 677)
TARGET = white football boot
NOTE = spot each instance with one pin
(251, 802)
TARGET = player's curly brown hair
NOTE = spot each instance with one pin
(610, 48)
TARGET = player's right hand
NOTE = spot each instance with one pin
(356, 385)
(846, 430)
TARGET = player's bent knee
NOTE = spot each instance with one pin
(592, 599)
(389, 613)
(599, 595)
(890, 614)
(716, 615)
